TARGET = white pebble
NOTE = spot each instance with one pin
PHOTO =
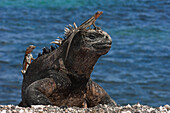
(105, 106)
(138, 105)
(128, 106)
(3, 111)
(69, 109)
(160, 108)
(126, 112)
(167, 107)
(21, 111)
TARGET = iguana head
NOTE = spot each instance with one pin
(98, 41)
(82, 47)
(87, 46)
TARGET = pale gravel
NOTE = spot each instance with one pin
(137, 108)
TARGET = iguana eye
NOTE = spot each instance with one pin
(92, 37)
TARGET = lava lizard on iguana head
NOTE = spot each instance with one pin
(84, 25)
(27, 58)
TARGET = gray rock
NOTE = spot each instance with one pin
(137, 108)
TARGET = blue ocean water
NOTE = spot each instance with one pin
(136, 69)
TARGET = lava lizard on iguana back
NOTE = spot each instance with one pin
(52, 80)
(27, 58)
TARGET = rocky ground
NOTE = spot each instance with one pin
(137, 108)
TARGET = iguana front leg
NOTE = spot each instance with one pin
(97, 95)
(38, 92)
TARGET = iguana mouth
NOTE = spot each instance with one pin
(102, 45)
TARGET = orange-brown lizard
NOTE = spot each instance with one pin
(27, 58)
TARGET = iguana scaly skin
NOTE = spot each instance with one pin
(52, 80)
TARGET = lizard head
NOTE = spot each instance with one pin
(87, 46)
(96, 42)
(30, 49)
(98, 13)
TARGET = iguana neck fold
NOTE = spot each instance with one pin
(82, 62)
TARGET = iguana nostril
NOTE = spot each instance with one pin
(108, 38)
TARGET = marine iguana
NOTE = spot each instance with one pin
(53, 80)
(27, 58)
